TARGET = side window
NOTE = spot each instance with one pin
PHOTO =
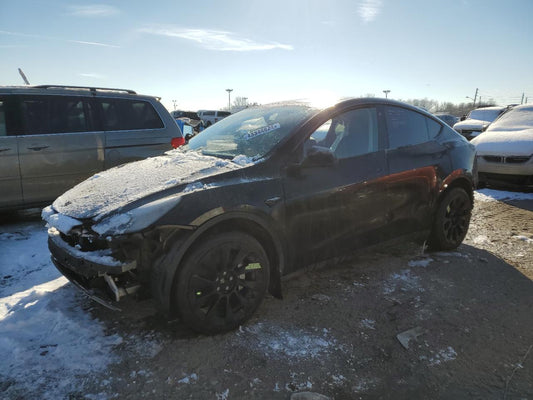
(123, 114)
(35, 115)
(67, 115)
(407, 128)
(350, 134)
(433, 128)
(55, 114)
(3, 128)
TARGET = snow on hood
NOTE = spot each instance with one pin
(116, 187)
(471, 124)
(500, 143)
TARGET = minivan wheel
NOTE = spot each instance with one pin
(222, 282)
(451, 220)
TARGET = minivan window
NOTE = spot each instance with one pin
(123, 114)
(54, 114)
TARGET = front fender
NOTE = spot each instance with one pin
(165, 268)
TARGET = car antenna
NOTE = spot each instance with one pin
(24, 77)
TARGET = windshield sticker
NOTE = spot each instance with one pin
(262, 131)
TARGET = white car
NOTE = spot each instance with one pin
(209, 117)
(505, 149)
(478, 121)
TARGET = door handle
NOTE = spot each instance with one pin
(38, 148)
(1, 150)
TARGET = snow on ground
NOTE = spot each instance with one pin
(500, 195)
(47, 341)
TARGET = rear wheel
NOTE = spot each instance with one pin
(451, 220)
(222, 282)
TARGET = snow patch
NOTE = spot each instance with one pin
(486, 195)
(424, 262)
(524, 238)
(403, 281)
(444, 355)
(275, 341)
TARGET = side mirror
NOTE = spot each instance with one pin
(318, 156)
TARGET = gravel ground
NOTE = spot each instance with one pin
(464, 316)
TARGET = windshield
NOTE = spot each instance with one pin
(485, 115)
(252, 132)
(517, 119)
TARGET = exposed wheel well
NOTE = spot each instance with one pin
(462, 183)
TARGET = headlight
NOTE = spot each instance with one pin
(136, 219)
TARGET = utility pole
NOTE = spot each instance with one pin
(475, 97)
(229, 98)
(522, 101)
(174, 101)
(387, 91)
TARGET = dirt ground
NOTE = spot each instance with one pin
(468, 314)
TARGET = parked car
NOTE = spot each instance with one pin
(212, 116)
(450, 119)
(53, 137)
(478, 121)
(209, 228)
(505, 149)
(189, 118)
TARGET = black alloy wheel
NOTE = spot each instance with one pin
(222, 282)
(451, 220)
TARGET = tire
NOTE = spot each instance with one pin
(222, 282)
(451, 220)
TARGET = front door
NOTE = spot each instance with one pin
(334, 208)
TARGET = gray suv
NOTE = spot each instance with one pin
(53, 137)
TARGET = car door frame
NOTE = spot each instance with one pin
(299, 229)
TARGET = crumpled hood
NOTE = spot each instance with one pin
(471, 124)
(109, 190)
(502, 143)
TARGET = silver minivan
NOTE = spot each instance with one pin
(53, 137)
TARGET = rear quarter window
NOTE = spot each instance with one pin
(124, 114)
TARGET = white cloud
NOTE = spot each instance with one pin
(90, 75)
(93, 43)
(216, 40)
(95, 10)
(55, 38)
(369, 9)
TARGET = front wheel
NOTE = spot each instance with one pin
(451, 220)
(222, 282)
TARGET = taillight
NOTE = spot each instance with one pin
(177, 142)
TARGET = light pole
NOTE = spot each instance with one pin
(474, 100)
(229, 98)
(386, 93)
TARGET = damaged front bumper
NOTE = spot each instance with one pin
(100, 276)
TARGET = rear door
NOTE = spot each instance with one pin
(60, 146)
(133, 130)
(417, 163)
(11, 192)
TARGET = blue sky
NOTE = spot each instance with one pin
(191, 52)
